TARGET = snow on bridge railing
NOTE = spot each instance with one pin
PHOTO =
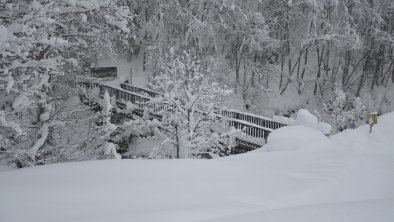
(139, 90)
(232, 114)
(248, 144)
(251, 118)
(250, 124)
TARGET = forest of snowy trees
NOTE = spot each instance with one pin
(267, 57)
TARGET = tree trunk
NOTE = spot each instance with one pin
(319, 62)
(392, 75)
(177, 141)
(291, 71)
(144, 57)
(224, 43)
(345, 76)
(386, 77)
(238, 63)
(252, 79)
(190, 119)
(303, 70)
(377, 72)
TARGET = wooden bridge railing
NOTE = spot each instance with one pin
(252, 125)
(139, 90)
(231, 114)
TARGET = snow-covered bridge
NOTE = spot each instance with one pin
(257, 128)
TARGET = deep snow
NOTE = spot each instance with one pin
(349, 177)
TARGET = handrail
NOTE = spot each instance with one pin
(140, 90)
(232, 114)
(253, 125)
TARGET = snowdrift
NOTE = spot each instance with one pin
(296, 138)
(348, 177)
(305, 118)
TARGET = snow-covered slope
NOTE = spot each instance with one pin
(349, 177)
(360, 211)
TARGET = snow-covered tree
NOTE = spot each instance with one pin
(42, 41)
(188, 104)
(107, 127)
(344, 111)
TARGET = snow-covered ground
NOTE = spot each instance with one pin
(347, 178)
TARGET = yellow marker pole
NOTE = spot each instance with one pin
(372, 119)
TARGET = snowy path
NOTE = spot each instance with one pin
(347, 178)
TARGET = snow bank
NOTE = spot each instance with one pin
(352, 180)
(360, 211)
(381, 137)
(4, 168)
(305, 118)
(296, 138)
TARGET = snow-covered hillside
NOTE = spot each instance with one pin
(349, 178)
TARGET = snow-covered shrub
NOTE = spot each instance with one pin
(344, 111)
